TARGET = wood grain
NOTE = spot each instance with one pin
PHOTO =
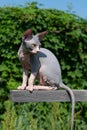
(46, 96)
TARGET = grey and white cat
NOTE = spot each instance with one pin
(42, 64)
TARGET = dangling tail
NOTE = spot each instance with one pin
(72, 100)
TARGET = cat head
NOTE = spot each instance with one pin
(32, 42)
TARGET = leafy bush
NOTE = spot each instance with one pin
(69, 45)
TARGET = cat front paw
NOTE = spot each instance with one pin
(21, 87)
(29, 88)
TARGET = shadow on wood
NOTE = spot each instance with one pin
(46, 96)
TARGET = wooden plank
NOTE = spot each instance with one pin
(46, 96)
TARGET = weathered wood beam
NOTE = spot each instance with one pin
(46, 96)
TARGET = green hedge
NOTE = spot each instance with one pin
(67, 39)
(69, 45)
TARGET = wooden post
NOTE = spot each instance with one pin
(46, 96)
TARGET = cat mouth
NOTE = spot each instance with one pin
(34, 52)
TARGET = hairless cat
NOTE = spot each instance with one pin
(43, 65)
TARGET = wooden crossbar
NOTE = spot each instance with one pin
(46, 96)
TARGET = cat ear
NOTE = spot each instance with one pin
(40, 35)
(27, 33)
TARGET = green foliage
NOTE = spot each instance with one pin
(67, 39)
(69, 45)
(40, 116)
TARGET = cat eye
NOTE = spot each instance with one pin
(33, 45)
